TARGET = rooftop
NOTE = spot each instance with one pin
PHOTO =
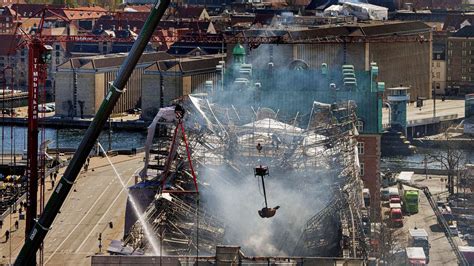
(187, 64)
(109, 61)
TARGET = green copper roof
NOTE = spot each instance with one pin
(238, 50)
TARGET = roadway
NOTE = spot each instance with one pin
(441, 252)
(446, 108)
(97, 199)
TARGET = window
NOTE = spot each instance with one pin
(464, 53)
(450, 52)
(449, 78)
(438, 56)
(438, 75)
(361, 171)
(437, 64)
(360, 147)
(58, 47)
(360, 125)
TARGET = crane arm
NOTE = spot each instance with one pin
(32, 243)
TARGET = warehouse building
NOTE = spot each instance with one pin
(177, 77)
(390, 44)
(82, 83)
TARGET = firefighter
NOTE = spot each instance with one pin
(259, 147)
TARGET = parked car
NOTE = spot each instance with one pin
(44, 109)
(384, 193)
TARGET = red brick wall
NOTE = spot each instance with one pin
(371, 177)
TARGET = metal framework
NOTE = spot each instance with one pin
(318, 159)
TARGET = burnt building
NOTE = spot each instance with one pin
(390, 44)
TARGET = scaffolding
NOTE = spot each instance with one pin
(313, 155)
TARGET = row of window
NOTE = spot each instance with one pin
(464, 44)
(463, 78)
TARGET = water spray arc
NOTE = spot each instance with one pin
(139, 213)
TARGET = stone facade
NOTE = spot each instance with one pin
(82, 83)
(180, 77)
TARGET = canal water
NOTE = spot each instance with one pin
(15, 139)
(417, 160)
(70, 138)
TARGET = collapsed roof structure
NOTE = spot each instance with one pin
(314, 177)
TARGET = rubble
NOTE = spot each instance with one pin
(314, 176)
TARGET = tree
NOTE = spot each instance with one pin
(451, 158)
(390, 247)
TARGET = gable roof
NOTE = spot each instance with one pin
(189, 11)
(375, 29)
(187, 64)
(466, 32)
(32, 10)
(110, 60)
(454, 21)
(80, 13)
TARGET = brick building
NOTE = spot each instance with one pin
(460, 65)
(369, 150)
(7, 20)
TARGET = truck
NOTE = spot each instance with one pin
(392, 192)
(415, 256)
(419, 238)
(396, 217)
(395, 206)
(410, 198)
